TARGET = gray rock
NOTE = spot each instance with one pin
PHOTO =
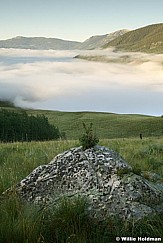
(94, 174)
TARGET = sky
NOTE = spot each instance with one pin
(75, 19)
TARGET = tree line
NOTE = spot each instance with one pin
(20, 126)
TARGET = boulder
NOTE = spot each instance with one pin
(99, 174)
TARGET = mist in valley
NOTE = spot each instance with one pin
(54, 80)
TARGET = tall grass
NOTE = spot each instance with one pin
(19, 222)
(17, 160)
(69, 220)
(146, 154)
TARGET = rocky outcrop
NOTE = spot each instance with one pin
(98, 41)
(99, 174)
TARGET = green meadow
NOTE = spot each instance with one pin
(106, 125)
(69, 221)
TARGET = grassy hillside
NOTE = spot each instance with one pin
(106, 125)
(147, 39)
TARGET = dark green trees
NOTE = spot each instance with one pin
(21, 127)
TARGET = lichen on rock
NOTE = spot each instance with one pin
(93, 173)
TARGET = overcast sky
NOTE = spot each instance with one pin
(75, 19)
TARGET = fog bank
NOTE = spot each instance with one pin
(54, 80)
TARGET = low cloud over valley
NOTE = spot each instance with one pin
(123, 83)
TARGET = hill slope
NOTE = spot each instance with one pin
(147, 39)
(106, 125)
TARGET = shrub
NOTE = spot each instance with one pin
(88, 139)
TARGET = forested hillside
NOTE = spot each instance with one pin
(6, 104)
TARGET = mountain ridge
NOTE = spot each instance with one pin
(44, 43)
(147, 39)
(38, 43)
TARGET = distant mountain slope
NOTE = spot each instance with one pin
(42, 43)
(38, 43)
(147, 39)
(98, 41)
